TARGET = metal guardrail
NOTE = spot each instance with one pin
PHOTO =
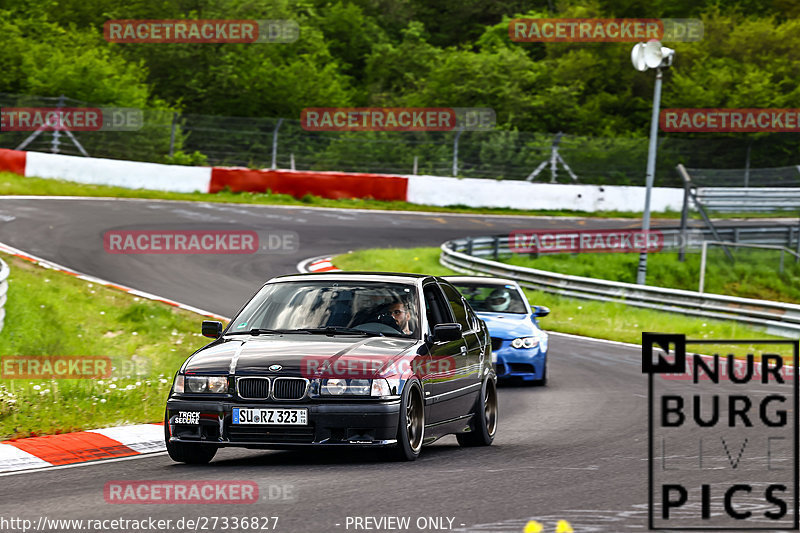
(4, 272)
(778, 318)
(777, 234)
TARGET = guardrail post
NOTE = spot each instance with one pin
(703, 267)
(781, 267)
(496, 246)
(797, 257)
(469, 245)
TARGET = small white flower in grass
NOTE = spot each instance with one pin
(102, 312)
(41, 306)
(138, 383)
(134, 333)
(102, 400)
(130, 387)
(93, 292)
(100, 382)
(112, 386)
(580, 307)
(37, 387)
(570, 318)
(79, 335)
(46, 280)
(90, 285)
(136, 299)
(704, 324)
(162, 381)
(174, 332)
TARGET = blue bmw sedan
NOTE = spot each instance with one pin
(519, 346)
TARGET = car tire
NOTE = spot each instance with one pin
(193, 454)
(484, 424)
(411, 424)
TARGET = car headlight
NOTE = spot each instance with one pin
(525, 342)
(357, 387)
(200, 384)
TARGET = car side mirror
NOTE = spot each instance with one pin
(212, 329)
(540, 310)
(446, 332)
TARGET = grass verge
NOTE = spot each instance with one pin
(602, 320)
(754, 273)
(54, 314)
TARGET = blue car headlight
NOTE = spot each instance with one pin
(525, 342)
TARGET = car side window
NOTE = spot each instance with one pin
(457, 305)
(435, 306)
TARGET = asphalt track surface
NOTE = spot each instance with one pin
(574, 450)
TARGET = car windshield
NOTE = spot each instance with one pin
(330, 307)
(492, 298)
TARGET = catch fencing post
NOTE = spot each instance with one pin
(455, 152)
(172, 133)
(275, 145)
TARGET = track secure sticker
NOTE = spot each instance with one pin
(187, 417)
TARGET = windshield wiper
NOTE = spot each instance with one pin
(333, 330)
(258, 331)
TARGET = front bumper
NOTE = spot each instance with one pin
(354, 423)
(526, 364)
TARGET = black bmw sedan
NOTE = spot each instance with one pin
(338, 359)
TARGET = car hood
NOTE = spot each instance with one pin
(297, 354)
(509, 325)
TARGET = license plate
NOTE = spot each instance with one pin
(282, 417)
(494, 357)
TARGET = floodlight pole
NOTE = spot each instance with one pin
(641, 274)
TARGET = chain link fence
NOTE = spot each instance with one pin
(169, 137)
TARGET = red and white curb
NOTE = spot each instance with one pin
(317, 264)
(80, 447)
(96, 444)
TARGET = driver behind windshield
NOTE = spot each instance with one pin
(401, 316)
